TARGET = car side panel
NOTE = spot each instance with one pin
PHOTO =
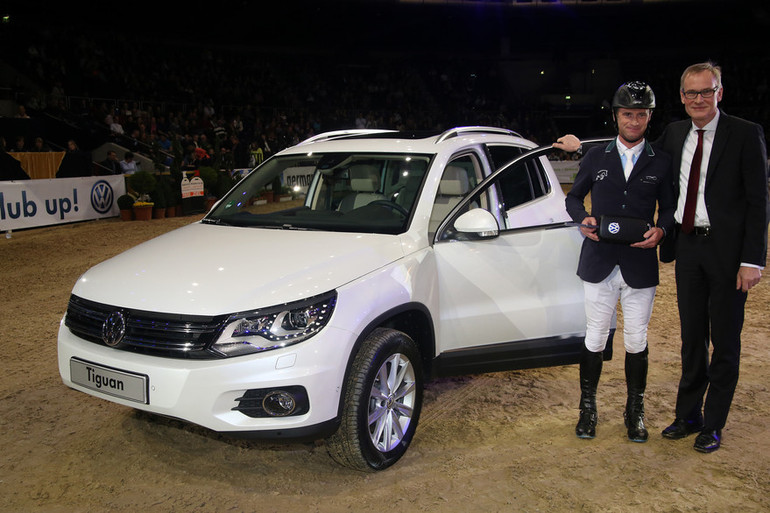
(519, 286)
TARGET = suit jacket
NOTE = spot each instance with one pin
(10, 168)
(735, 192)
(113, 166)
(649, 186)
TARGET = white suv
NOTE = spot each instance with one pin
(412, 256)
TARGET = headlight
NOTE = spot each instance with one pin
(276, 327)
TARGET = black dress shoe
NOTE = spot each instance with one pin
(682, 428)
(708, 440)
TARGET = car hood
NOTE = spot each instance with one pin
(209, 270)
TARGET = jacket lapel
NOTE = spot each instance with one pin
(614, 163)
(679, 135)
(718, 147)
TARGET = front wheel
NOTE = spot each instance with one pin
(382, 403)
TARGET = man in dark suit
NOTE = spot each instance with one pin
(720, 247)
(625, 178)
(111, 164)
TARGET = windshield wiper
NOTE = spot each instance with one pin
(299, 228)
(218, 221)
(247, 224)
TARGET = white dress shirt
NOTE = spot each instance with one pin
(701, 215)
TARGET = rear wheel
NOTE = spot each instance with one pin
(383, 399)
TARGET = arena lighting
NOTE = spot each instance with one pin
(538, 3)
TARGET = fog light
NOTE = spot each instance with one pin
(279, 403)
(287, 400)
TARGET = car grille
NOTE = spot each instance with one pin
(170, 335)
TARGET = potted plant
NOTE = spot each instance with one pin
(261, 197)
(172, 196)
(276, 188)
(210, 177)
(225, 182)
(126, 204)
(159, 201)
(143, 182)
(284, 194)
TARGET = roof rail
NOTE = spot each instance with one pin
(457, 131)
(342, 133)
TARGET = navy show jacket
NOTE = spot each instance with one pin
(649, 189)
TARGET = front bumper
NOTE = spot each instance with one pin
(204, 392)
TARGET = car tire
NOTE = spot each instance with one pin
(382, 403)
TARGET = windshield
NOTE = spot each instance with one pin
(350, 192)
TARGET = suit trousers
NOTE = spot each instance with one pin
(710, 310)
(601, 301)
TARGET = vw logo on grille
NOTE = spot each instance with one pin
(113, 329)
(101, 197)
(614, 228)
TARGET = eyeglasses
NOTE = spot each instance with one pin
(705, 93)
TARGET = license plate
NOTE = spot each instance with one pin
(110, 381)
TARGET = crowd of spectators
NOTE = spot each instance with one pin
(244, 100)
(246, 103)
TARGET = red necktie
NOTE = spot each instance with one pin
(688, 218)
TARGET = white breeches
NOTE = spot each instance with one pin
(601, 302)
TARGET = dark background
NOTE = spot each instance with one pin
(544, 68)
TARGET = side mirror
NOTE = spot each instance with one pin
(477, 224)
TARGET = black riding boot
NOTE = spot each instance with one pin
(636, 382)
(590, 370)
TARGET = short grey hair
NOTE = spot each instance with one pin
(709, 66)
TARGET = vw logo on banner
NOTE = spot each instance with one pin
(102, 197)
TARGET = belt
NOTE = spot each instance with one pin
(701, 231)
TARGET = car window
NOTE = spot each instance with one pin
(526, 182)
(499, 155)
(514, 187)
(460, 176)
(372, 193)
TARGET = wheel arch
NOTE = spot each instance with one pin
(415, 320)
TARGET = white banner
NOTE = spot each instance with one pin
(298, 178)
(31, 203)
(565, 170)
